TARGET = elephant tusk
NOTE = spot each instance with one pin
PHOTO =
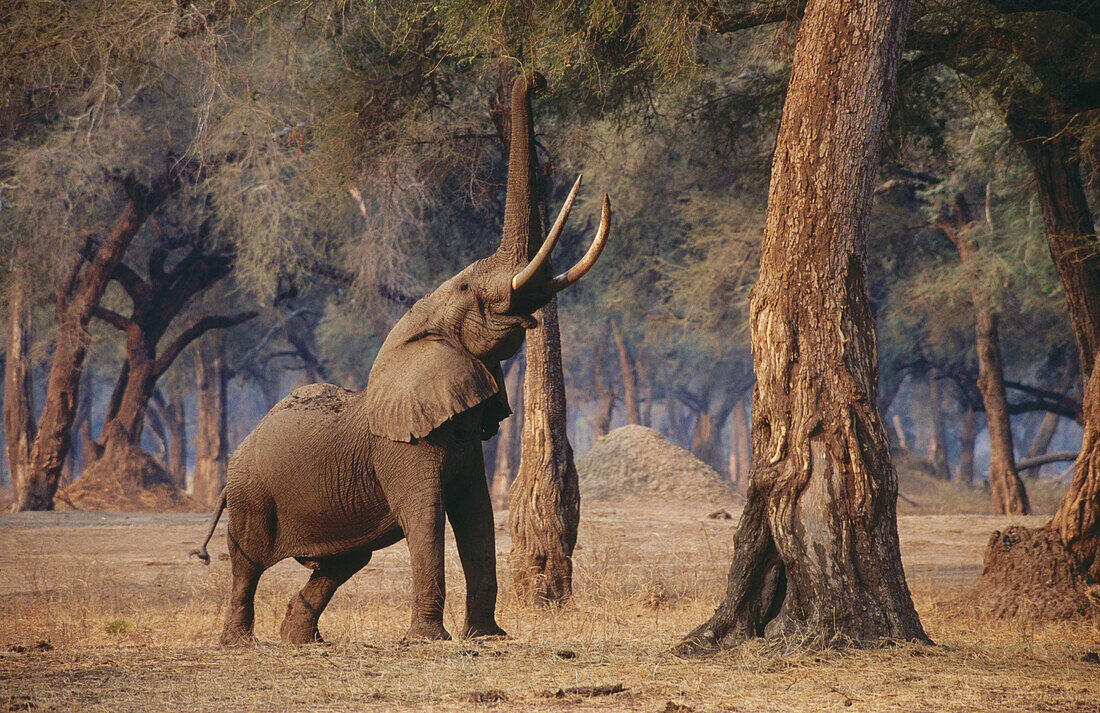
(524, 276)
(585, 263)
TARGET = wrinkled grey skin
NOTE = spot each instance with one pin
(331, 475)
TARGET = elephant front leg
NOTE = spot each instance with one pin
(422, 521)
(471, 514)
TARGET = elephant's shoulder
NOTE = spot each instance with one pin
(322, 398)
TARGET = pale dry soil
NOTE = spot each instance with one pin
(132, 625)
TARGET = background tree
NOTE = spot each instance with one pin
(822, 481)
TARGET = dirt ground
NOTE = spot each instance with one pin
(129, 624)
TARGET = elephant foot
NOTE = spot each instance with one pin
(236, 638)
(427, 631)
(297, 632)
(478, 631)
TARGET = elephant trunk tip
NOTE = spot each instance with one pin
(201, 554)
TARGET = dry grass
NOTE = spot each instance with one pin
(133, 623)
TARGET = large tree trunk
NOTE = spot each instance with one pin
(1052, 151)
(211, 426)
(544, 500)
(506, 460)
(1052, 572)
(937, 446)
(968, 433)
(1043, 436)
(75, 309)
(1006, 487)
(1048, 571)
(816, 554)
(629, 374)
(1077, 520)
(18, 409)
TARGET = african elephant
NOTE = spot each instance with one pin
(329, 475)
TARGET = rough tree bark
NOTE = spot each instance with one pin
(629, 374)
(816, 553)
(506, 460)
(18, 409)
(544, 500)
(211, 425)
(1005, 485)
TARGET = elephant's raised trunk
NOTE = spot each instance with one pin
(521, 215)
(533, 267)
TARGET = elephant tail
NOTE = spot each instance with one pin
(201, 553)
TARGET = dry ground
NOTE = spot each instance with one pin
(132, 623)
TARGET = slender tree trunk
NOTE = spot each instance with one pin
(605, 395)
(740, 457)
(506, 459)
(544, 500)
(937, 447)
(1043, 435)
(211, 425)
(1009, 495)
(968, 433)
(816, 554)
(629, 374)
(18, 409)
(1006, 487)
(174, 422)
(647, 391)
(705, 444)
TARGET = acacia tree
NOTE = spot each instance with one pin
(1005, 485)
(816, 551)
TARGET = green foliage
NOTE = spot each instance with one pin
(118, 626)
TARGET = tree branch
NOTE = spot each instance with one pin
(1029, 463)
(195, 331)
(766, 15)
(116, 320)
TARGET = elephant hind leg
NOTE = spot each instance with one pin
(300, 624)
(241, 616)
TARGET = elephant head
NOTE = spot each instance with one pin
(443, 356)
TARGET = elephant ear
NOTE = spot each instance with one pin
(496, 408)
(417, 385)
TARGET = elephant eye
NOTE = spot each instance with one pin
(464, 286)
